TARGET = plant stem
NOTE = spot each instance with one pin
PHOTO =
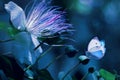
(85, 76)
(39, 57)
(28, 78)
(54, 60)
(27, 68)
(38, 46)
(43, 54)
(6, 40)
(70, 70)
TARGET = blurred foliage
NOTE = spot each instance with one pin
(107, 75)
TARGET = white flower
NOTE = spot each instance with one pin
(18, 18)
(42, 21)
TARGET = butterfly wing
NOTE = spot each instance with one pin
(95, 55)
(93, 43)
(96, 49)
(103, 46)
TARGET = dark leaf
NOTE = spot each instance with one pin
(44, 75)
(2, 75)
(91, 69)
(62, 74)
(11, 68)
(52, 40)
(74, 78)
(10, 79)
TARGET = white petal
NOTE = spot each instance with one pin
(36, 43)
(17, 15)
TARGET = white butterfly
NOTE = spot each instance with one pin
(96, 49)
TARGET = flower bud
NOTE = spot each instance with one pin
(91, 70)
(71, 51)
(83, 59)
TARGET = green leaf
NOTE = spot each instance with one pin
(13, 31)
(106, 74)
(9, 29)
(44, 75)
(3, 26)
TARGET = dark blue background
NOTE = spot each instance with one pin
(102, 20)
